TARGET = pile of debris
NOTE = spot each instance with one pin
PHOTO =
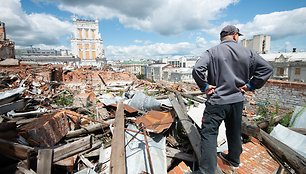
(56, 120)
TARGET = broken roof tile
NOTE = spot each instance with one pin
(254, 159)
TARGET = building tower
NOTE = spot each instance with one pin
(86, 42)
(260, 43)
(2, 31)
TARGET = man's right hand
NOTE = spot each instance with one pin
(210, 90)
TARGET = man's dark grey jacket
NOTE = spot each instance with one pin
(229, 66)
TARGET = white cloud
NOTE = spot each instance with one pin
(149, 50)
(164, 17)
(201, 42)
(32, 29)
(277, 24)
(168, 17)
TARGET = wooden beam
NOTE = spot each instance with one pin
(249, 128)
(181, 102)
(44, 161)
(25, 171)
(175, 153)
(9, 125)
(14, 150)
(102, 80)
(192, 132)
(183, 94)
(86, 161)
(296, 161)
(117, 161)
(298, 130)
(16, 105)
(86, 130)
(71, 149)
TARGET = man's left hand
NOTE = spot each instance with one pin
(244, 89)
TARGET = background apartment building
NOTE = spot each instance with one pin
(260, 43)
(288, 66)
(180, 61)
(87, 43)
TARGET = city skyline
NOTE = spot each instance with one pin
(155, 28)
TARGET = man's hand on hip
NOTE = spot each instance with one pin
(244, 89)
(210, 90)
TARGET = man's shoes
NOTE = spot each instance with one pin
(224, 158)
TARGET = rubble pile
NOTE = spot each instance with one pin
(59, 120)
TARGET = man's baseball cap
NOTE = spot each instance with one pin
(229, 30)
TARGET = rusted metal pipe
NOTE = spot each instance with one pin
(148, 151)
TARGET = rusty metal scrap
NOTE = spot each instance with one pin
(156, 121)
(47, 130)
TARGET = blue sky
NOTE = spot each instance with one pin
(155, 28)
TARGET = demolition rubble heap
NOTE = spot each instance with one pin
(59, 120)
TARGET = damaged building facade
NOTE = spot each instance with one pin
(87, 43)
(288, 66)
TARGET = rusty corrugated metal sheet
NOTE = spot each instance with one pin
(156, 121)
(254, 159)
(126, 108)
(47, 130)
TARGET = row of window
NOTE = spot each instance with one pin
(86, 46)
(87, 55)
(281, 71)
(86, 33)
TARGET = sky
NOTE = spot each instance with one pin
(133, 29)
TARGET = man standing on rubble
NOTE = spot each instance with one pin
(231, 71)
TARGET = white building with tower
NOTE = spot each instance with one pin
(86, 42)
(260, 43)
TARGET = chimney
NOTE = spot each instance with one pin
(294, 50)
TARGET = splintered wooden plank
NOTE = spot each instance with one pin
(71, 149)
(117, 162)
(44, 161)
(192, 132)
(286, 154)
(14, 150)
(87, 130)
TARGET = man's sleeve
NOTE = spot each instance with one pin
(262, 71)
(199, 69)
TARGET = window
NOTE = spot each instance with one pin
(81, 54)
(93, 34)
(86, 46)
(280, 71)
(86, 34)
(297, 71)
(93, 46)
(87, 55)
(80, 46)
(80, 33)
(93, 53)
